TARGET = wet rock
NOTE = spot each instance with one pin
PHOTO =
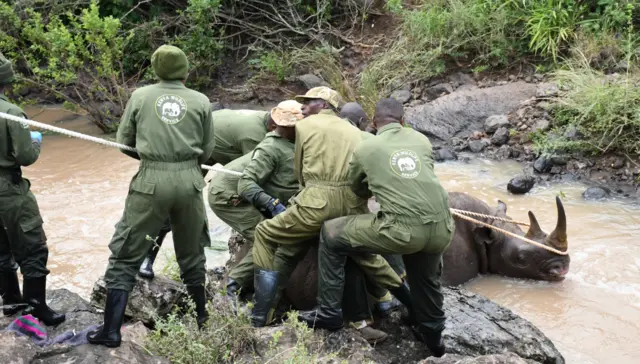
(443, 154)
(402, 96)
(310, 81)
(466, 110)
(542, 164)
(504, 152)
(596, 193)
(149, 297)
(500, 137)
(521, 184)
(617, 162)
(495, 122)
(477, 146)
(556, 170)
(508, 358)
(436, 91)
(547, 90)
(542, 125)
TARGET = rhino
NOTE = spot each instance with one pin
(474, 250)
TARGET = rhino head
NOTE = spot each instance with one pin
(513, 257)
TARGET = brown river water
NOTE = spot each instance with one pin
(593, 316)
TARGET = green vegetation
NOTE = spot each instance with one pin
(89, 54)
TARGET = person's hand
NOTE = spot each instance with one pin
(36, 136)
(275, 207)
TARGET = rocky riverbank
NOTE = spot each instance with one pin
(478, 331)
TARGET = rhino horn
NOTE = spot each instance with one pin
(534, 228)
(558, 238)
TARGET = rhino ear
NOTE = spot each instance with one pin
(502, 207)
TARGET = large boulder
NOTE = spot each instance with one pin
(148, 298)
(509, 358)
(466, 110)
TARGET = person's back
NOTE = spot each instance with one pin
(19, 150)
(327, 143)
(409, 185)
(237, 133)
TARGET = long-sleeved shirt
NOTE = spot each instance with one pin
(16, 147)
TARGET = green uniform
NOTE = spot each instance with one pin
(323, 148)
(171, 128)
(22, 238)
(414, 220)
(237, 133)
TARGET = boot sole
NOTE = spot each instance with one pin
(109, 344)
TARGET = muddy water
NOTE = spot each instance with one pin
(593, 316)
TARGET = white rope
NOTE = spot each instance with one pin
(459, 213)
(95, 139)
(489, 217)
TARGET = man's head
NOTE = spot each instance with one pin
(170, 63)
(6, 72)
(388, 111)
(285, 116)
(319, 98)
(355, 114)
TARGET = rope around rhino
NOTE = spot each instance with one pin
(459, 213)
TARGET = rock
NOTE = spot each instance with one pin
(508, 358)
(538, 77)
(521, 184)
(16, 349)
(542, 125)
(500, 137)
(547, 90)
(572, 133)
(149, 297)
(477, 146)
(128, 353)
(542, 164)
(436, 91)
(504, 152)
(596, 193)
(559, 160)
(495, 122)
(310, 81)
(402, 96)
(444, 154)
(466, 110)
(460, 78)
(556, 170)
(528, 79)
(617, 162)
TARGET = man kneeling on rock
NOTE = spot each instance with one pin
(414, 220)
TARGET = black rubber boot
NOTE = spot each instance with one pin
(233, 296)
(109, 333)
(35, 295)
(146, 269)
(433, 339)
(323, 317)
(10, 290)
(197, 294)
(265, 287)
(403, 294)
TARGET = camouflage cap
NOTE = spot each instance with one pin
(287, 113)
(324, 93)
(6, 71)
(170, 63)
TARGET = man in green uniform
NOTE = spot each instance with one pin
(237, 133)
(22, 238)
(171, 128)
(266, 185)
(414, 220)
(323, 147)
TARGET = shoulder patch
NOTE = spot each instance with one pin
(171, 109)
(255, 155)
(405, 163)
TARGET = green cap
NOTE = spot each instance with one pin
(6, 71)
(323, 93)
(170, 63)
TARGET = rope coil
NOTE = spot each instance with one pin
(459, 213)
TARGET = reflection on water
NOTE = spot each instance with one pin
(593, 316)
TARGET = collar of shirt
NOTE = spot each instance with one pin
(389, 126)
(327, 112)
(176, 83)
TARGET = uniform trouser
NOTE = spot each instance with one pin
(158, 190)
(301, 223)
(22, 237)
(421, 246)
(396, 263)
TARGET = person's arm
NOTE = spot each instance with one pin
(357, 177)
(127, 129)
(248, 144)
(26, 150)
(298, 157)
(255, 175)
(208, 141)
